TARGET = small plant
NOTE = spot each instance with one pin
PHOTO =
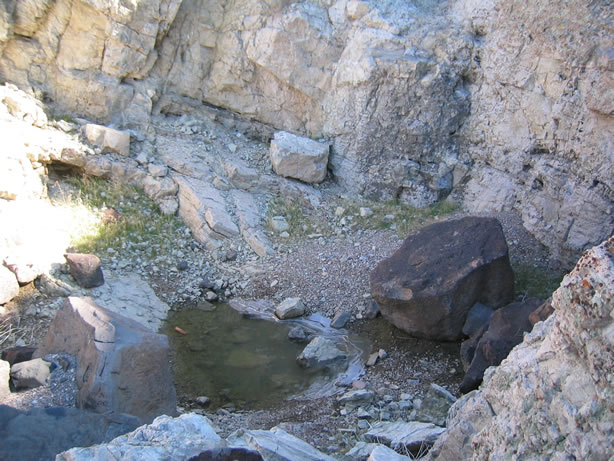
(396, 215)
(301, 220)
(139, 220)
(535, 281)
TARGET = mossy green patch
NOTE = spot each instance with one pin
(535, 281)
(396, 215)
(139, 222)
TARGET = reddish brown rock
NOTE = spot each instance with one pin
(541, 313)
(505, 330)
(85, 269)
(123, 367)
(429, 284)
(18, 354)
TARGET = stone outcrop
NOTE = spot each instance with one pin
(193, 437)
(383, 80)
(165, 438)
(552, 397)
(131, 296)
(122, 366)
(428, 286)
(542, 117)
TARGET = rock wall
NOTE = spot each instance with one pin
(541, 130)
(510, 104)
(553, 397)
(382, 79)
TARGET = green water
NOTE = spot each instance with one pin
(230, 359)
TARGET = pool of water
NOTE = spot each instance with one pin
(247, 362)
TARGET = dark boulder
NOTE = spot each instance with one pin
(85, 269)
(469, 346)
(18, 354)
(505, 330)
(427, 286)
(228, 454)
(41, 433)
(477, 317)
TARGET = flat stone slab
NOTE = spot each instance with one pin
(202, 207)
(320, 352)
(277, 445)
(250, 223)
(412, 435)
(298, 157)
(132, 297)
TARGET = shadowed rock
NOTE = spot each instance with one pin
(85, 269)
(228, 454)
(505, 330)
(427, 286)
(41, 433)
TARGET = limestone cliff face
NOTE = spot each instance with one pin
(508, 103)
(541, 130)
(381, 79)
(553, 397)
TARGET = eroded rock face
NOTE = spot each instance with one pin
(553, 396)
(418, 99)
(428, 286)
(542, 121)
(122, 366)
(383, 79)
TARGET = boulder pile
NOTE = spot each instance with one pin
(552, 397)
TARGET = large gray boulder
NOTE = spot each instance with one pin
(298, 157)
(41, 433)
(164, 439)
(122, 366)
(30, 374)
(428, 286)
